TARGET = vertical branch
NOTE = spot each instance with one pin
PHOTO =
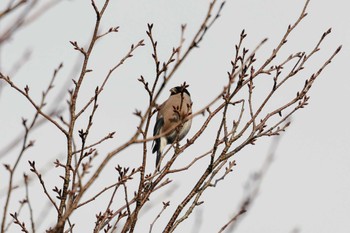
(73, 117)
(83, 134)
(29, 204)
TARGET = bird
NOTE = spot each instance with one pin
(172, 120)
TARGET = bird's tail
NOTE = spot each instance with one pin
(156, 145)
(156, 148)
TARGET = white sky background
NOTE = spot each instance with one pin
(308, 184)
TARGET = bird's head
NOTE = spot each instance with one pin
(179, 89)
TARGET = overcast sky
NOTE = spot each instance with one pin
(307, 186)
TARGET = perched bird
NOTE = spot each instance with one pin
(170, 120)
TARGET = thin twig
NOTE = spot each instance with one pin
(165, 205)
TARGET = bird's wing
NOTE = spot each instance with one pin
(159, 124)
